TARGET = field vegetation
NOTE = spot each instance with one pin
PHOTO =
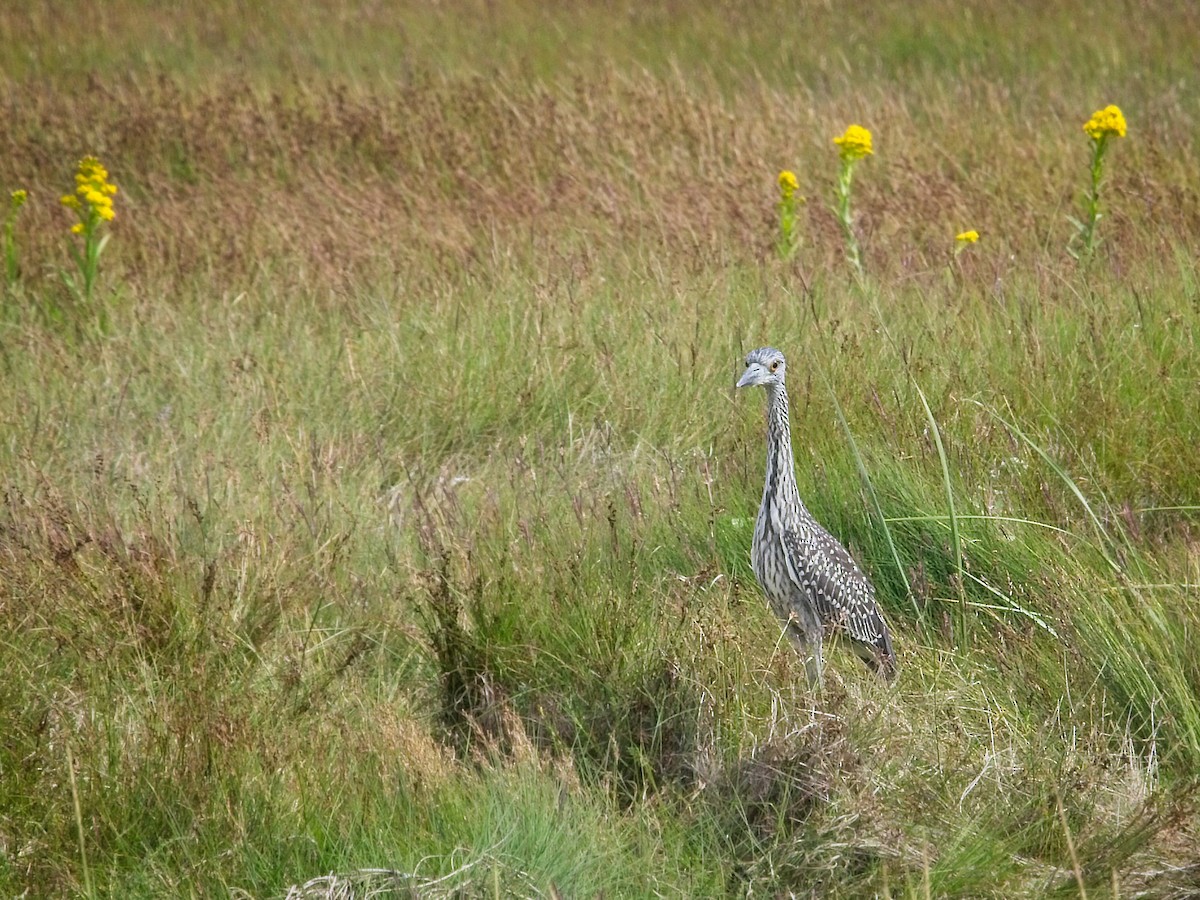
(377, 523)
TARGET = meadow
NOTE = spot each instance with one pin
(379, 525)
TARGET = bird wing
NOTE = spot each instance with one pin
(832, 580)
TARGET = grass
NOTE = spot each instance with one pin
(394, 533)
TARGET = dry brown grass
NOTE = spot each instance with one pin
(330, 183)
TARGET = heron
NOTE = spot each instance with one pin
(810, 580)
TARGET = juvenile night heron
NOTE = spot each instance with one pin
(810, 580)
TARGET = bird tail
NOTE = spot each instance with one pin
(886, 666)
(880, 657)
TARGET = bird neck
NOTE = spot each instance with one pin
(781, 466)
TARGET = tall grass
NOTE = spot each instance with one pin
(395, 534)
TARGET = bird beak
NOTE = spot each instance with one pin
(753, 375)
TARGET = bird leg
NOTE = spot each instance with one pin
(813, 666)
(808, 645)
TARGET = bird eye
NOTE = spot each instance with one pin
(774, 365)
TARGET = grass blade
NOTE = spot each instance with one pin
(955, 537)
(1105, 540)
(866, 480)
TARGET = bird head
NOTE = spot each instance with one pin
(764, 366)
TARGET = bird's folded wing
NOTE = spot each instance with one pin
(827, 574)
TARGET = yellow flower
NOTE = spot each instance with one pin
(967, 237)
(788, 185)
(93, 193)
(855, 143)
(77, 228)
(18, 198)
(1105, 122)
(89, 168)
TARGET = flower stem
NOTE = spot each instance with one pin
(787, 228)
(845, 181)
(10, 252)
(1093, 205)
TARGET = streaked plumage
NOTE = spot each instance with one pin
(810, 580)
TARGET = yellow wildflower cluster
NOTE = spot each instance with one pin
(967, 237)
(1105, 122)
(93, 195)
(788, 184)
(17, 200)
(855, 143)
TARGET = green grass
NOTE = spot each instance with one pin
(396, 528)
